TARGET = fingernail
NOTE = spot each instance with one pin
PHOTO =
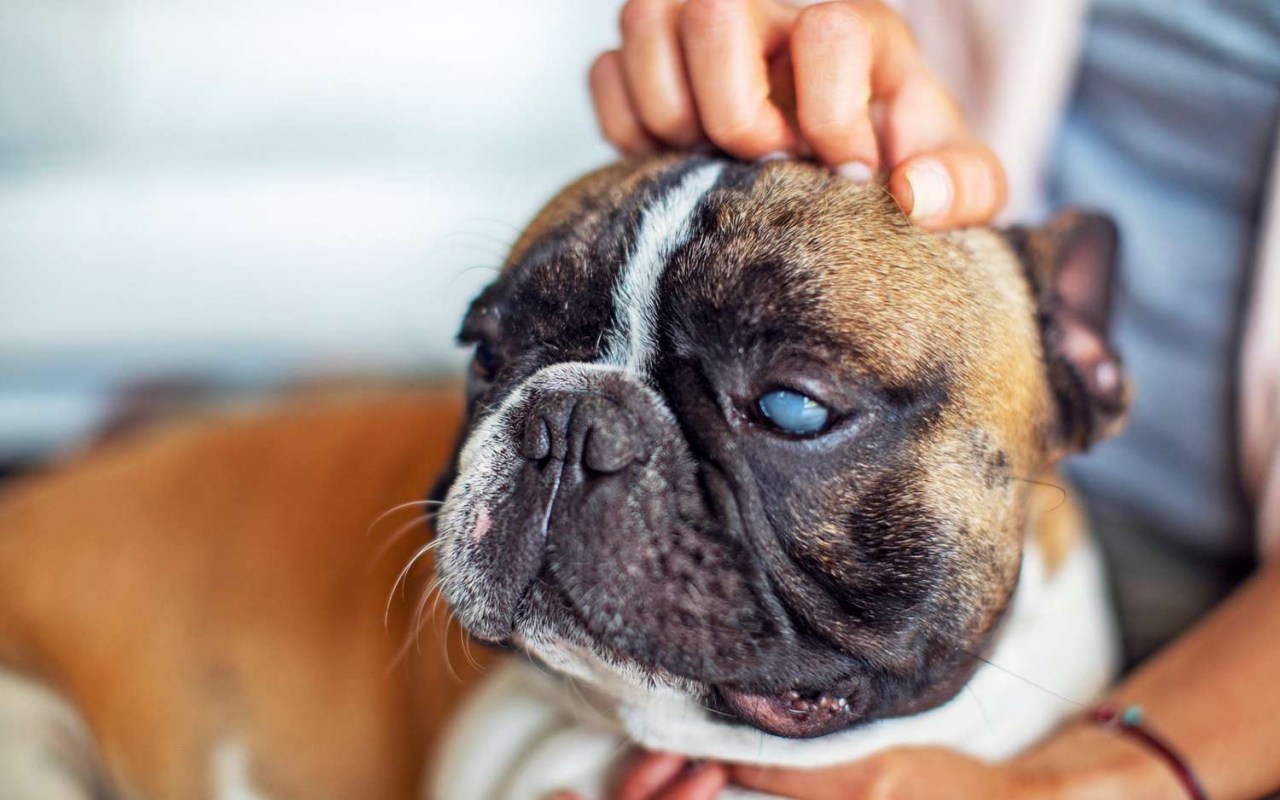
(859, 172)
(776, 155)
(930, 190)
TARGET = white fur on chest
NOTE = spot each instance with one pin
(525, 734)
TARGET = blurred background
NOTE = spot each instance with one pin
(220, 198)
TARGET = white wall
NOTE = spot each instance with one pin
(262, 187)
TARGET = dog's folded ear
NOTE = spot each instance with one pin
(1069, 263)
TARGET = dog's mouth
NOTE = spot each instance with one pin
(794, 714)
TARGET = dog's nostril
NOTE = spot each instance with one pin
(610, 448)
(592, 432)
(535, 445)
(609, 442)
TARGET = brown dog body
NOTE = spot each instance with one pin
(213, 588)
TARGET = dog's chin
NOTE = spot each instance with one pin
(793, 714)
(570, 650)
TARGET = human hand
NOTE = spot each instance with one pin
(663, 776)
(900, 774)
(725, 72)
(913, 773)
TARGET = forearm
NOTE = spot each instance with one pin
(1214, 695)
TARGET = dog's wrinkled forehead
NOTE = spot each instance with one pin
(700, 253)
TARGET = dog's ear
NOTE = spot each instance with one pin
(1069, 263)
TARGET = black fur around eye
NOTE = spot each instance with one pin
(487, 362)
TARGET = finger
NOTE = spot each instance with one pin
(702, 782)
(618, 122)
(831, 49)
(919, 116)
(646, 773)
(725, 54)
(807, 784)
(872, 56)
(655, 73)
(959, 185)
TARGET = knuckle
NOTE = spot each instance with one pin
(734, 133)
(611, 135)
(671, 124)
(704, 14)
(834, 20)
(887, 782)
(834, 125)
(641, 15)
(620, 133)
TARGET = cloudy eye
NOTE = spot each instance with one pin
(794, 413)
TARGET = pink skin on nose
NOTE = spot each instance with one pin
(483, 523)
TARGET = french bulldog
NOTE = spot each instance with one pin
(751, 470)
(748, 472)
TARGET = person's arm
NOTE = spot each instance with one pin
(1214, 695)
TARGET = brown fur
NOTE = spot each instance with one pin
(875, 270)
(215, 582)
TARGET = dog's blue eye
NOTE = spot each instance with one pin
(794, 413)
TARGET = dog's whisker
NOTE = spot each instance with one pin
(1025, 680)
(981, 711)
(410, 637)
(435, 603)
(589, 707)
(398, 657)
(416, 628)
(1064, 494)
(448, 657)
(413, 632)
(401, 507)
(395, 537)
(426, 548)
(467, 653)
(465, 271)
(514, 229)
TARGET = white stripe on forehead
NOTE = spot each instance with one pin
(664, 228)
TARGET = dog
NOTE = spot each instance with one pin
(750, 468)
(747, 470)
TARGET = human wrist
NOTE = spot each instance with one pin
(1084, 761)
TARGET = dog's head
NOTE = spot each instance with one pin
(742, 432)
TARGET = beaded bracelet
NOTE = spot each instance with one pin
(1128, 720)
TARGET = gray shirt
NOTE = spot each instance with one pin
(1170, 130)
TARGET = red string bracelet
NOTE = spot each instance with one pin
(1128, 720)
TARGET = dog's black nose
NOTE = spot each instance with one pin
(590, 430)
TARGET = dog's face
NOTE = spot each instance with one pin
(742, 432)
